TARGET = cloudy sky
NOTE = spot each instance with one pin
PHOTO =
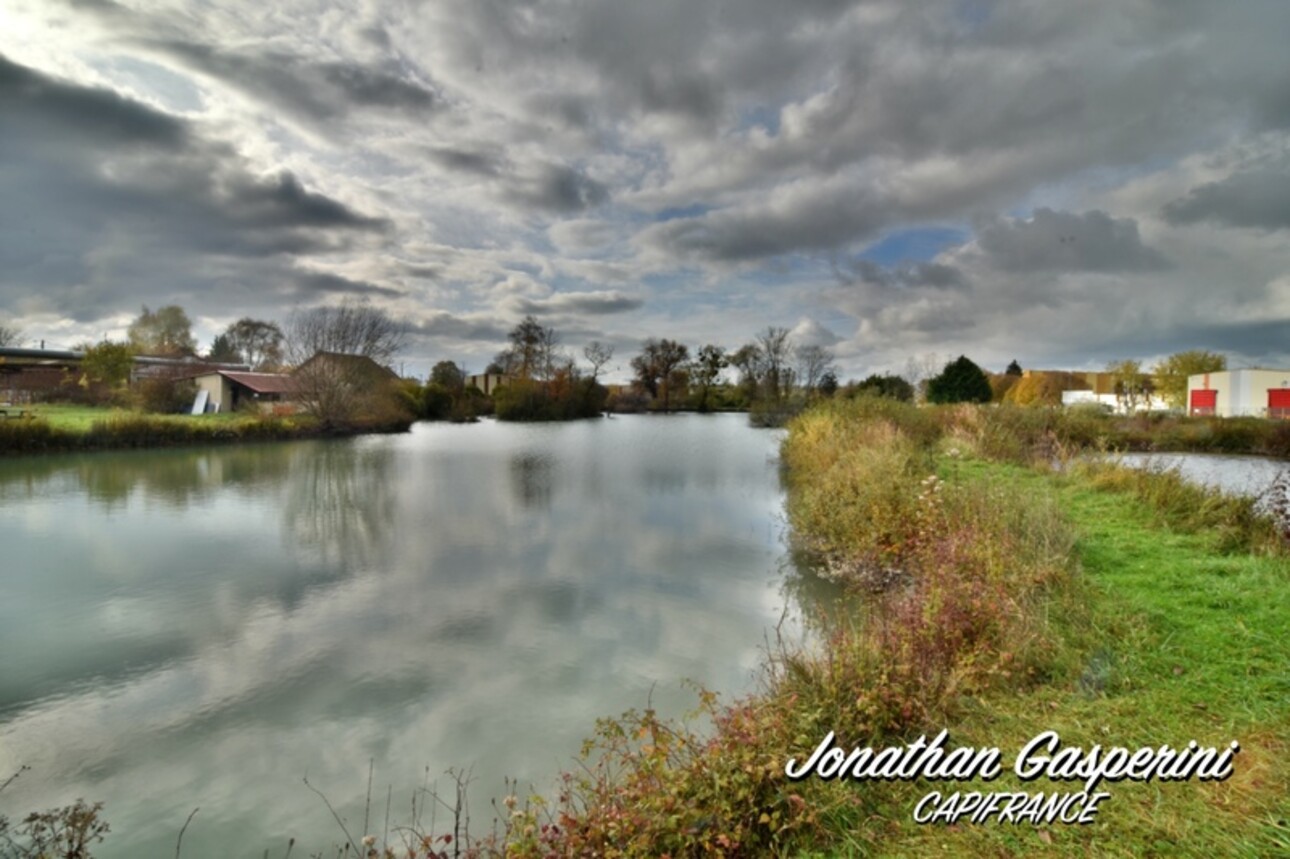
(1061, 183)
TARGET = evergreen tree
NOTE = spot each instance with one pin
(961, 381)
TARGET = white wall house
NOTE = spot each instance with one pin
(1148, 403)
(1240, 393)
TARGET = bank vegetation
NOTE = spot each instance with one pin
(988, 577)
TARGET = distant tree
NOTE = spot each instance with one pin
(1132, 386)
(223, 351)
(1172, 372)
(341, 391)
(828, 384)
(1042, 388)
(920, 369)
(168, 332)
(352, 328)
(1001, 384)
(533, 353)
(1014, 369)
(449, 376)
(748, 360)
(705, 371)
(259, 343)
(889, 385)
(108, 364)
(494, 369)
(962, 381)
(812, 363)
(598, 355)
(565, 396)
(775, 348)
(655, 365)
(9, 335)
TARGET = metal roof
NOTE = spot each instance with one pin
(262, 383)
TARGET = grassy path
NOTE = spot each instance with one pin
(1184, 643)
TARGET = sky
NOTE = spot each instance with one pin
(1064, 184)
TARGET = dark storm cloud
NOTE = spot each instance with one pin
(800, 220)
(110, 202)
(590, 303)
(1065, 241)
(313, 283)
(1247, 338)
(318, 90)
(40, 110)
(695, 96)
(557, 188)
(673, 142)
(283, 201)
(452, 326)
(480, 163)
(1257, 198)
(424, 272)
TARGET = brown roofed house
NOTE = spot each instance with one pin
(339, 388)
(229, 390)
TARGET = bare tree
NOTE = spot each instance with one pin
(920, 369)
(813, 364)
(330, 348)
(598, 355)
(352, 328)
(10, 336)
(775, 348)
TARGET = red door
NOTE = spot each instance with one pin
(1204, 402)
(1279, 402)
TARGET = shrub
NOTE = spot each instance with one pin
(60, 833)
(164, 396)
(564, 398)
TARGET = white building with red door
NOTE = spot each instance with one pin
(1240, 393)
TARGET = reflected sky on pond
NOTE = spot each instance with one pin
(206, 627)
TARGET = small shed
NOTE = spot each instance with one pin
(229, 390)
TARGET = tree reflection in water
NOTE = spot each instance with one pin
(533, 479)
(340, 502)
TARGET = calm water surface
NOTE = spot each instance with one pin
(1237, 475)
(207, 627)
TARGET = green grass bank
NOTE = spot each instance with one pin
(66, 429)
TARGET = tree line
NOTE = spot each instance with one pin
(770, 375)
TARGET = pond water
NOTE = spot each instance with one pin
(207, 627)
(1237, 475)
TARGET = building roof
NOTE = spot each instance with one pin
(262, 383)
(24, 356)
(356, 363)
(259, 383)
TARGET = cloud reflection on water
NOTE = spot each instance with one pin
(470, 596)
